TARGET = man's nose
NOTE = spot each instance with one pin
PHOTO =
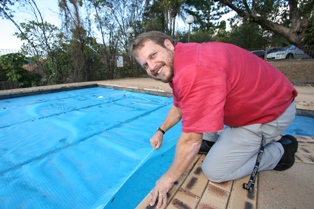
(151, 66)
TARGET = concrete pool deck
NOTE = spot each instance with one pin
(289, 189)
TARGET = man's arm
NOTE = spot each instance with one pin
(187, 148)
(173, 117)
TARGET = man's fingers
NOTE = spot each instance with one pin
(158, 198)
(155, 144)
(153, 199)
(161, 201)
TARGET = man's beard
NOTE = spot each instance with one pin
(169, 64)
(167, 80)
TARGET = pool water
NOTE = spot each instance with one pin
(301, 126)
(86, 148)
(75, 149)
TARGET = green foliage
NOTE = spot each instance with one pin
(222, 34)
(12, 65)
(248, 36)
(39, 37)
(287, 18)
(12, 61)
(154, 18)
(57, 66)
(205, 13)
(198, 36)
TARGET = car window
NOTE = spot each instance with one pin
(292, 47)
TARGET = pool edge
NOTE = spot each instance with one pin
(13, 93)
(134, 86)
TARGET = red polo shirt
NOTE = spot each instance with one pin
(217, 83)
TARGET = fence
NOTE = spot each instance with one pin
(8, 85)
(8, 51)
(308, 50)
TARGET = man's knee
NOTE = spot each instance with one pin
(212, 173)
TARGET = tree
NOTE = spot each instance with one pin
(175, 8)
(248, 36)
(12, 65)
(112, 20)
(40, 40)
(5, 11)
(205, 13)
(74, 30)
(156, 16)
(38, 35)
(309, 35)
(287, 18)
(222, 34)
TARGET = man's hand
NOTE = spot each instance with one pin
(159, 193)
(173, 117)
(187, 147)
(156, 140)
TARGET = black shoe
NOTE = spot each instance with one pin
(290, 145)
(205, 147)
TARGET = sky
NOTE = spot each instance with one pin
(49, 10)
(8, 41)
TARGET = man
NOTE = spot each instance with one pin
(216, 84)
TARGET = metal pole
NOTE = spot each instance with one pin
(189, 33)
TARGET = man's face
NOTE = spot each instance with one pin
(157, 60)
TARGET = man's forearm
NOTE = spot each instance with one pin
(173, 117)
(187, 148)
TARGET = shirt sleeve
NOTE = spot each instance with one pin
(202, 95)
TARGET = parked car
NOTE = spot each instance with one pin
(271, 52)
(259, 53)
(275, 49)
(289, 52)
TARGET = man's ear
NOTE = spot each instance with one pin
(168, 44)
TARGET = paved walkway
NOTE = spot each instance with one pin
(289, 189)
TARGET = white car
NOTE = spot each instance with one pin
(289, 52)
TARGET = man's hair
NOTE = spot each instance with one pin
(155, 36)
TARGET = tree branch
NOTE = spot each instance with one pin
(239, 11)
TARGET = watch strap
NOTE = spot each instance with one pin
(162, 131)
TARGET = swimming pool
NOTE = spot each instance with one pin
(83, 148)
(75, 149)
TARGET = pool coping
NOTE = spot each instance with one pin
(13, 93)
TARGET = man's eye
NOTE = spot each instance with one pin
(145, 66)
(154, 55)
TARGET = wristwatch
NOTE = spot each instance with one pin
(162, 131)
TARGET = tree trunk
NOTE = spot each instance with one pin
(295, 33)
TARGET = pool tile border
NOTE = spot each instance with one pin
(12, 93)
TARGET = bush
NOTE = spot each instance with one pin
(11, 65)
